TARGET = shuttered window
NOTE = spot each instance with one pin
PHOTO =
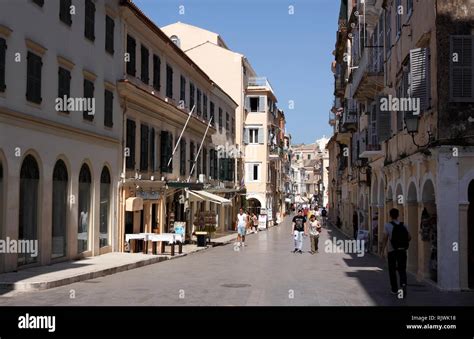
(388, 32)
(88, 94)
(65, 12)
(211, 163)
(191, 158)
(384, 128)
(144, 142)
(156, 72)
(227, 121)
(166, 151)
(212, 114)
(169, 81)
(182, 89)
(33, 81)
(108, 108)
(461, 68)
(182, 157)
(89, 24)
(220, 119)
(222, 168)
(215, 164)
(64, 85)
(152, 150)
(109, 34)
(144, 64)
(130, 159)
(131, 51)
(204, 106)
(3, 50)
(204, 161)
(420, 77)
(199, 107)
(191, 96)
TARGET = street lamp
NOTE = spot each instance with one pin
(412, 123)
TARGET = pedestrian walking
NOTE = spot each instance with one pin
(242, 222)
(314, 231)
(398, 238)
(254, 222)
(355, 224)
(324, 215)
(298, 231)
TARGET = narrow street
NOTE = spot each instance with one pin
(265, 272)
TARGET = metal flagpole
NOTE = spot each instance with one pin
(180, 136)
(199, 150)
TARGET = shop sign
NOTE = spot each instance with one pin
(148, 195)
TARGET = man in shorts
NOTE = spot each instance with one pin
(242, 221)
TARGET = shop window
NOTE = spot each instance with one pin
(85, 182)
(59, 232)
(104, 207)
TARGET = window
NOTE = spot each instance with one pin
(59, 210)
(88, 94)
(109, 34)
(144, 64)
(204, 106)
(398, 13)
(33, 81)
(420, 77)
(156, 72)
(130, 153)
(226, 169)
(28, 208)
(211, 163)
(227, 121)
(191, 96)
(166, 152)
(84, 209)
(191, 158)
(297, 157)
(39, 2)
(131, 51)
(65, 12)
(169, 81)
(182, 157)
(211, 113)
(64, 86)
(199, 107)
(253, 172)
(255, 104)
(3, 50)
(104, 207)
(182, 89)
(144, 147)
(461, 73)
(108, 108)
(89, 25)
(233, 126)
(409, 7)
(220, 119)
(253, 135)
(388, 32)
(309, 156)
(152, 150)
(198, 163)
(204, 161)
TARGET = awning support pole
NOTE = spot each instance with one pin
(180, 136)
(199, 150)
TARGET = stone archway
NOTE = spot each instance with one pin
(254, 205)
(412, 222)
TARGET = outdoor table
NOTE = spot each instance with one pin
(133, 237)
(170, 238)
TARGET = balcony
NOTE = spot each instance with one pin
(255, 83)
(369, 147)
(349, 121)
(367, 79)
(275, 152)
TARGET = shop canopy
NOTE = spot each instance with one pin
(206, 196)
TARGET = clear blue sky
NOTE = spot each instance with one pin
(293, 51)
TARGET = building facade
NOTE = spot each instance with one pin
(398, 85)
(60, 129)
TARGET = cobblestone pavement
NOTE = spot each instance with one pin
(265, 272)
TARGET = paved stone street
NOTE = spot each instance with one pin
(263, 273)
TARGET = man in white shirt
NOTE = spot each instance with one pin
(242, 221)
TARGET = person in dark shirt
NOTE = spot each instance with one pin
(298, 230)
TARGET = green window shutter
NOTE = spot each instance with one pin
(419, 76)
(384, 129)
(261, 103)
(246, 136)
(461, 77)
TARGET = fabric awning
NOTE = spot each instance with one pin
(133, 204)
(206, 196)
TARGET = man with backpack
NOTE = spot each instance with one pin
(398, 239)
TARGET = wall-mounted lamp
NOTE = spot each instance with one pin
(412, 123)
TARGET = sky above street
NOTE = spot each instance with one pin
(293, 50)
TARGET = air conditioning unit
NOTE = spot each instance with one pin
(202, 178)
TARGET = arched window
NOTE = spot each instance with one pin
(104, 207)
(176, 40)
(28, 209)
(60, 179)
(84, 209)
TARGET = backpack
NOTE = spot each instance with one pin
(399, 238)
(324, 213)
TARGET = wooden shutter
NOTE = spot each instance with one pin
(169, 150)
(247, 103)
(88, 93)
(261, 103)
(260, 135)
(130, 160)
(156, 72)
(108, 108)
(204, 161)
(461, 77)
(152, 149)
(246, 136)
(144, 147)
(420, 76)
(169, 81)
(163, 151)
(144, 64)
(384, 129)
(65, 12)
(89, 20)
(131, 50)
(109, 34)
(3, 48)
(33, 83)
